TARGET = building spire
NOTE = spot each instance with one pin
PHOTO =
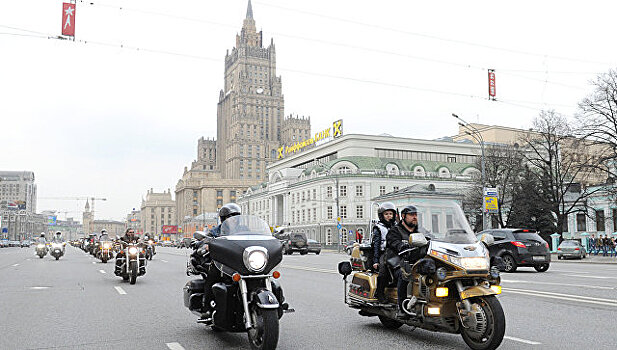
(249, 11)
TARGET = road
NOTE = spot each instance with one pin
(78, 303)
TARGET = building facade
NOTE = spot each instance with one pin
(17, 191)
(133, 220)
(251, 126)
(310, 191)
(114, 228)
(157, 210)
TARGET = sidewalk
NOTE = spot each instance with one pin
(590, 259)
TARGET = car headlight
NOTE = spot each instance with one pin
(255, 258)
(133, 250)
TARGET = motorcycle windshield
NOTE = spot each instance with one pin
(444, 221)
(245, 225)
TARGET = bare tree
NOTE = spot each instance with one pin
(562, 165)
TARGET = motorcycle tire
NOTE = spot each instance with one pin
(265, 334)
(57, 257)
(104, 261)
(496, 325)
(389, 323)
(41, 256)
(133, 268)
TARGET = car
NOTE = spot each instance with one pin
(518, 247)
(25, 243)
(4, 243)
(167, 244)
(571, 249)
(292, 242)
(313, 246)
(14, 244)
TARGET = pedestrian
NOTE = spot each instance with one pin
(605, 246)
(592, 244)
(358, 236)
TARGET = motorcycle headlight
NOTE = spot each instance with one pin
(56, 245)
(255, 258)
(468, 263)
(133, 250)
(40, 246)
(107, 246)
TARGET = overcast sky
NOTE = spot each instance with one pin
(93, 119)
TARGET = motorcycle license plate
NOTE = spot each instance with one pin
(539, 258)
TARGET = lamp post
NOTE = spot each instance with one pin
(477, 135)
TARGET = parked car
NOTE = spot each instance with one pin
(14, 244)
(25, 243)
(4, 243)
(519, 247)
(571, 249)
(313, 246)
(292, 242)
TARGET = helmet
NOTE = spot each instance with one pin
(410, 209)
(58, 233)
(42, 234)
(385, 206)
(103, 231)
(228, 210)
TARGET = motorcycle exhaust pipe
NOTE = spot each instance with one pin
(408, 304)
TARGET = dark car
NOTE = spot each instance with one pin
(293, 242)
(313, 246)
(25, 243)
(571, 249)
(519, 247)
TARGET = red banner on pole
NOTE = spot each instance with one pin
(170, 229)
(68, 19)
(491, 84)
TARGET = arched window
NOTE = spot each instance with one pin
(392, 169)
(344, 170)
(419, 171)
(444, 172)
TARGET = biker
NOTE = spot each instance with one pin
(398, 241)
(129, 237)
(147, 239)
(42, 238)
(386, 214)
(104, 236)
(58, 238)
(212, 277)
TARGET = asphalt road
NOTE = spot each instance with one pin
(78, 303)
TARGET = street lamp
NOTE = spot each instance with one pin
(477, 135)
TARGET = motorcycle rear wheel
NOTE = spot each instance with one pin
(133, 268)
(496, 325)
(104, 261)
(265, 334)
(57, 257)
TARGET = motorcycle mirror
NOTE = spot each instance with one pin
(487, 239)
(417, 240)
(344, 268)
(199, 235)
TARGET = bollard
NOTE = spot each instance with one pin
(555, 237)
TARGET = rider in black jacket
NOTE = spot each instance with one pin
(129, 237)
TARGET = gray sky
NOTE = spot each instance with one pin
(100, 120)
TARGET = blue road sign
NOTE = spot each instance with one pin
(5, 230)
(339, 226)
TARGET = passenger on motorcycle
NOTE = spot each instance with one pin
(386, 214)
(398, 241)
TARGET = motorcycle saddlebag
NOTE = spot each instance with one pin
(193, 294)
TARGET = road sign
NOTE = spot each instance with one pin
(491, 203)
(338, 219)
(339, 226)
(5, 230)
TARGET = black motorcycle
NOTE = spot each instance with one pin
(248, 297)
(131, 263)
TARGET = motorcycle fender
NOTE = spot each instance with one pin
(220, 317)
(265, 299)
(476, 291)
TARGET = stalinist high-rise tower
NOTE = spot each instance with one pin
(251, 122)
(251, 127)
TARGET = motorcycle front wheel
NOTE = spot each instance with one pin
(265, 331)
(492, 336)
(133, 268)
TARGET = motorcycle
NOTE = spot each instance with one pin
(451, 289)
(106, 251)
(57, 250)
(248, 297)
(41, 250)
(132, 263)
(150, 252)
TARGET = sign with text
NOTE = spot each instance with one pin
(51, 220)
(170, 229)
(330, 133)
(491, 204)
(491, 84)
(68, 19)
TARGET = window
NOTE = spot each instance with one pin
(328, 236)
(329, 212)
(343, 212)
(219, 193)
(303, 196)
(600, 220)
(435, 222)
(344, 170)
(382, 190)
(581, 222)
(329, 192)
(360, 212)
(303, 215)
(314, 194)
(343, 191)
(314, 214)
(395, 188)
(614, 220)
(359, 191)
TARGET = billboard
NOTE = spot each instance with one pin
(68, 19)
(170, 229)
(51, 220)
(330, 133)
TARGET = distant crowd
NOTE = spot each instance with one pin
(602, 244)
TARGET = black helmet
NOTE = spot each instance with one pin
(385, 206)
(228, 210)
(410, 209)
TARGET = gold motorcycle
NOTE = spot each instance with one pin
(451, 289)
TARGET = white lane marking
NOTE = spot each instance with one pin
(587, 276)
(568, 297)
(530, 342)
(15, 265)
(309, 269)
(120, 290)
(174, 346)
(28, 259)
(165, 262)
(37, 288)
(102, 271)
(560, 284)
(94, 262)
